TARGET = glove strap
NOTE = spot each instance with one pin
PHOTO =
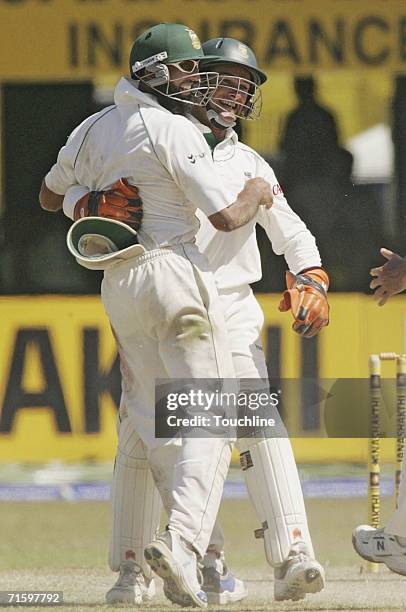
(93, 203)
(303, 279)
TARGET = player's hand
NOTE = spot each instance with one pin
(306, 297)
(261, 191)
(389, 278)
(121, 202)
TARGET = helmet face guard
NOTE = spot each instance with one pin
(233, 88)
(156, 75)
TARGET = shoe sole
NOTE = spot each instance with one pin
(363, 555)
(310, 581)
(161, 560)
(396, 571)
(221, 599)
(117, 596)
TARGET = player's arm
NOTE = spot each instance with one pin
(62, 174)
(390, 278)
(256, 193)
(48, 199)
(286, 231)
(307, 283)
(185, 154)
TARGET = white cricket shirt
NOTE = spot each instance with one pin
(163, 154)
(234, 256)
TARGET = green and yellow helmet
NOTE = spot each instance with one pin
(232, 51)
(169, 44)
(166, 43)
(224, 52)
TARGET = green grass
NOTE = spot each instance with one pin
(63, 546)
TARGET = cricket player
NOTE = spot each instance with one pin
(160, 294)
(388, 544)
(269, 467)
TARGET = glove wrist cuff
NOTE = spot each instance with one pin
(319, 275)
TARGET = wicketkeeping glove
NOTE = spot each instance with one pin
(121, 202)
(306, 296)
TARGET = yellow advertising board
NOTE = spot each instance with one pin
(75, 39)
(60, 381)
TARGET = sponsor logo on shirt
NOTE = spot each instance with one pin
(277, 190)
(193, 157)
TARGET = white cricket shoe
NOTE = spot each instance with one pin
(379, 547)
(175, 562)
(222, 587)
(298, 575)
(131, 586)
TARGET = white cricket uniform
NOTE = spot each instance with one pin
(163, 306)
(273, 483)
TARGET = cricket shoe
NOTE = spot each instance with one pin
(175, 562)
(379, 547)
(222, 587)
(131, 586)
(298, 575)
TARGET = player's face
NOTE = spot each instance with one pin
(184, 76)
(233, 90)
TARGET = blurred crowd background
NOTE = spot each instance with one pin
(333, 124)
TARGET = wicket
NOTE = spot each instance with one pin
(374, 439)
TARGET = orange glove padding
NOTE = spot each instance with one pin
(121, 202)
(306, 296)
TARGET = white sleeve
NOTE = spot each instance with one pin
(62, 174)
(186, 155)
(72, 196)
(286, 231)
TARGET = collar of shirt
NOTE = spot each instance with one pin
(127, 92)
(222, 150)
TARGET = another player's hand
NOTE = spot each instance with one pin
(306, 297)
(261, 191)
(121, 202)
(389, 278)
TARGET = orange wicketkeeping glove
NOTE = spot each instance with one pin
(121, 202)
(306, 297)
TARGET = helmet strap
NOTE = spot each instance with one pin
(216, 120)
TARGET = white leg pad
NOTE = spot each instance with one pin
(136, 504)
(197, 470)
(274, 489)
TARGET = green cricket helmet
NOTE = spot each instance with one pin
(232, 52)
(171, 44)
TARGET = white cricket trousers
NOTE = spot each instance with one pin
(272, 481)
(168, 322)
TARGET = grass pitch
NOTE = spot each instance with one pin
(63, 546)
